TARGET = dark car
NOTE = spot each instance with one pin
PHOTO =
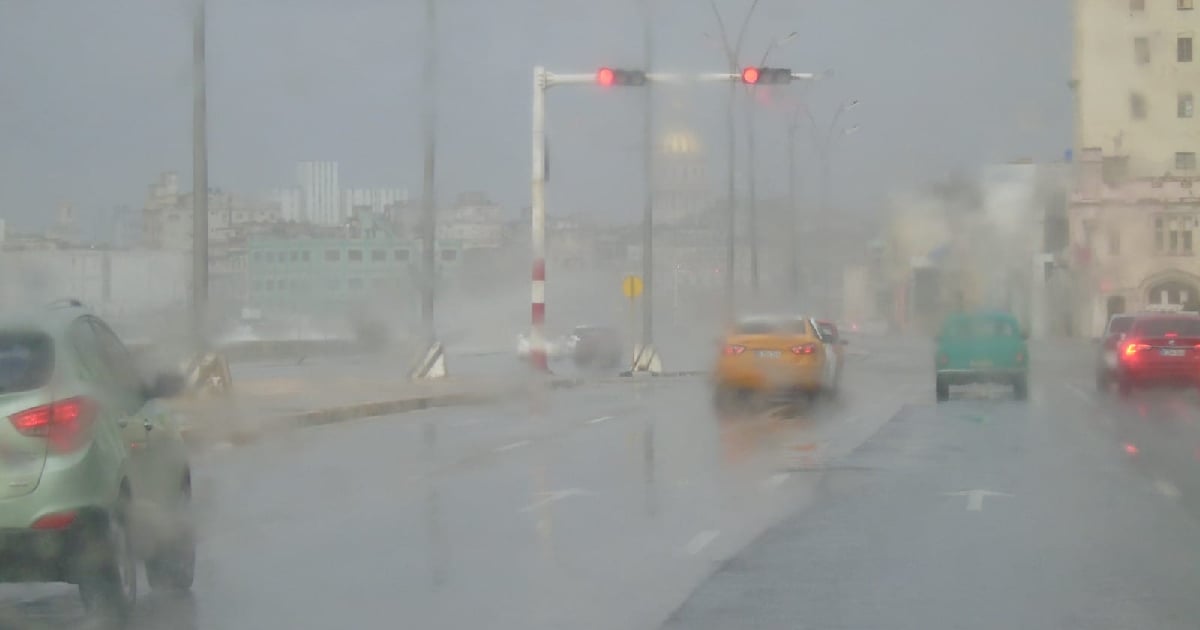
(1159, 350)
(595, 347)
(1106, 358)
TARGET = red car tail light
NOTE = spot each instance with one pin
(58, 520)
(1132, 348)
(734, 350)
(62, 422)
(805, 348)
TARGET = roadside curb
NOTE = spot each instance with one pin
(195, 438)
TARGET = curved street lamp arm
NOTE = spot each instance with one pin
(729, 54)
(737, 48)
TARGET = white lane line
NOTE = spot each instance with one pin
(701, 540)
(509, 447)
(1079, 392)
(600, 419)
(1166, 488)
(774, 481)
(550, 497)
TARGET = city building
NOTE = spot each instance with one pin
(1133, 214)
(320, 193)
(376, 200)
(681, 183)
(334, 270)
(290, 202)
(1135, 78)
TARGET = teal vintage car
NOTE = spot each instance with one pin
(982, 347)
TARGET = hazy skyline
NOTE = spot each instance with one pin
(95, 99)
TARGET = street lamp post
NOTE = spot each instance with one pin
(752, 210)
(731, 55)
(825, 142)
(199, 175)
(648, 176)
(428, 205)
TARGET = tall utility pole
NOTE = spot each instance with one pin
(731, 55)
(793, 211)
(199, 176)
(648, 175)
(428, 206)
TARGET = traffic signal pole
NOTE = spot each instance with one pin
(542, 81)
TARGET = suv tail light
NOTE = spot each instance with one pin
(63, 423)
(732, 350)
(806, 348)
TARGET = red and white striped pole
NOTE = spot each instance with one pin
(537, 348)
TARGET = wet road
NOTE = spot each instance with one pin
(602, 507)
(1074, 510)
(606, 506)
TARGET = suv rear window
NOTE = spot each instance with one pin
(26, 361)
(1161, 326)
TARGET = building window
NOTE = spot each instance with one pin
(333, 255)
(449, 254)
(1141, 50)
(1173, 234)
(257, 256)
(1184, 5)
(355, 255)
(1185, 161)
(1114, 243)
(1137, 5)
(1183, 105)
(379, 283)
(294, 256)
(334, 284)
(1183, 49)
(304, 256)
(378, 255)
(1137, 106)
(401, 255)
(354, 283)
(258, 285)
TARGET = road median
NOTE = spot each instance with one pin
(264, 407)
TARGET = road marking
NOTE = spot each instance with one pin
(1166, 488)
(509, 447)
(551, 497)
(1079, 392)
(701, 540)
(776, 480)
(600, 419)
(975, 498)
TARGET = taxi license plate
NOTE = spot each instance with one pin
(769, 354)
(1172, 352)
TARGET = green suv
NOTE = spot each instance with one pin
(94, 475)
(983, 347)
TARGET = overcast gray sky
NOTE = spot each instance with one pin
(95, 97)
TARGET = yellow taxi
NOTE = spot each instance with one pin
(773, 354)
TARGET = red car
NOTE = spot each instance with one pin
(1159, 349)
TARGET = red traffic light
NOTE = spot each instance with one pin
(764, 76)
(750, 76)
(607, 77)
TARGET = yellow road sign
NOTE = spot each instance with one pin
(631, 286)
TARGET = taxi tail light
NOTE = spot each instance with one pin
(63, 423)
(804, 348)
(734, 350)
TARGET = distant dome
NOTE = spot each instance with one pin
(680, 142)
